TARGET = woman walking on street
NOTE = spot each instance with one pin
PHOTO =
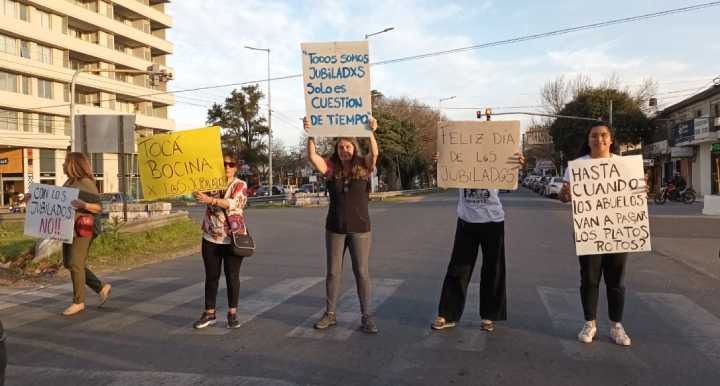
(599, 143)
(223, 215)
(480, 224)
(348, 220)
(77, 169)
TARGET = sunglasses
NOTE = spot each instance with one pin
(230, 164)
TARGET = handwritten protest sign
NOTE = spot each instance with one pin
(49, 213)
(476, 155)
(336, 79)
(609, 204)
(181, 162)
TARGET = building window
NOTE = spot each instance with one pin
(9, 8)
(717, 109)
(27, 122)
(45, 54)
(66, 123)
(8, 82)
(24, 14)
(45, 89)
(45, 123)
(96, 159)
(8, 120)
(47, 161)
(25, 84)
(25, 49)
(45, 20)
(8, 45)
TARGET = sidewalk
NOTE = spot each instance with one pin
(700, 254)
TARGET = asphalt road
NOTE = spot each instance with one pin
(143, 335)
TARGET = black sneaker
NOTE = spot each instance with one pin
(328, 320)
(368, 325)
(233, 321)
(207, 319)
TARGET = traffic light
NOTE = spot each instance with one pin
(479, 114)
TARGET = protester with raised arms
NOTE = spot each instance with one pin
(480, 224)
(600, 143)
(77, 169)
(347, 226)
(223, 215)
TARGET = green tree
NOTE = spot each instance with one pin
(244, 131)
(406, 135)
(630, 123)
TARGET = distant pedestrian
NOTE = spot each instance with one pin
(77, 169)
(347, 226)
(224, 214)
(480, 224)
(600, 143)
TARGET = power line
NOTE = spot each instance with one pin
(519, 39)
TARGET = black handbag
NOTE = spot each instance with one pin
(242, 245)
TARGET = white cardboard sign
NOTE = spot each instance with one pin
(49, 213)
(476, 154)
(609, 203)
(336, 83)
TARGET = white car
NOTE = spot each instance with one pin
(553, 187)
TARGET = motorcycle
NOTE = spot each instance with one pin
(672, 193)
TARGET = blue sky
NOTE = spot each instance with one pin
(680, 51)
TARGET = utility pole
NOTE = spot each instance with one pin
(270, 148)
(374, 177)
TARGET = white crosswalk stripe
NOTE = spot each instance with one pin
(14, 297)
(565, 310)
(118, 321)
(264, 300)
(36, 313)
(467, 335)
(693, 323)
(348, 312)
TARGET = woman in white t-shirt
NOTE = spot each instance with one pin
(599, 143)
(480, 223)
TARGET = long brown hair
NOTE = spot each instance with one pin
(358, 170)
(78, 167)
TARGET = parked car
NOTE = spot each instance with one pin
(539, 186)
(307, 188)
(553, 187)
(265, 191)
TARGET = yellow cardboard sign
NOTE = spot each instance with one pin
(181, 162)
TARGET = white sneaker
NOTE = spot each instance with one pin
(588, 333)
(618, 334)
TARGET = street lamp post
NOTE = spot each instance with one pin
(373, 184)
(270, 156)
(379, 32)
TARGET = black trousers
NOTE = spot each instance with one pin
(493, 298)
(215, 257)
(592, 268)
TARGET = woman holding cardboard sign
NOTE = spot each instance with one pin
(224, 215)
(599, 143)
(480, 224)
(77, 169)
(348, 221)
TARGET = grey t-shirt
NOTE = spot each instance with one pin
(480, 206)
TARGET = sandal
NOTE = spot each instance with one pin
(440, 323)
(487, 325)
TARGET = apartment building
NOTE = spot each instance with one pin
(42, 44)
